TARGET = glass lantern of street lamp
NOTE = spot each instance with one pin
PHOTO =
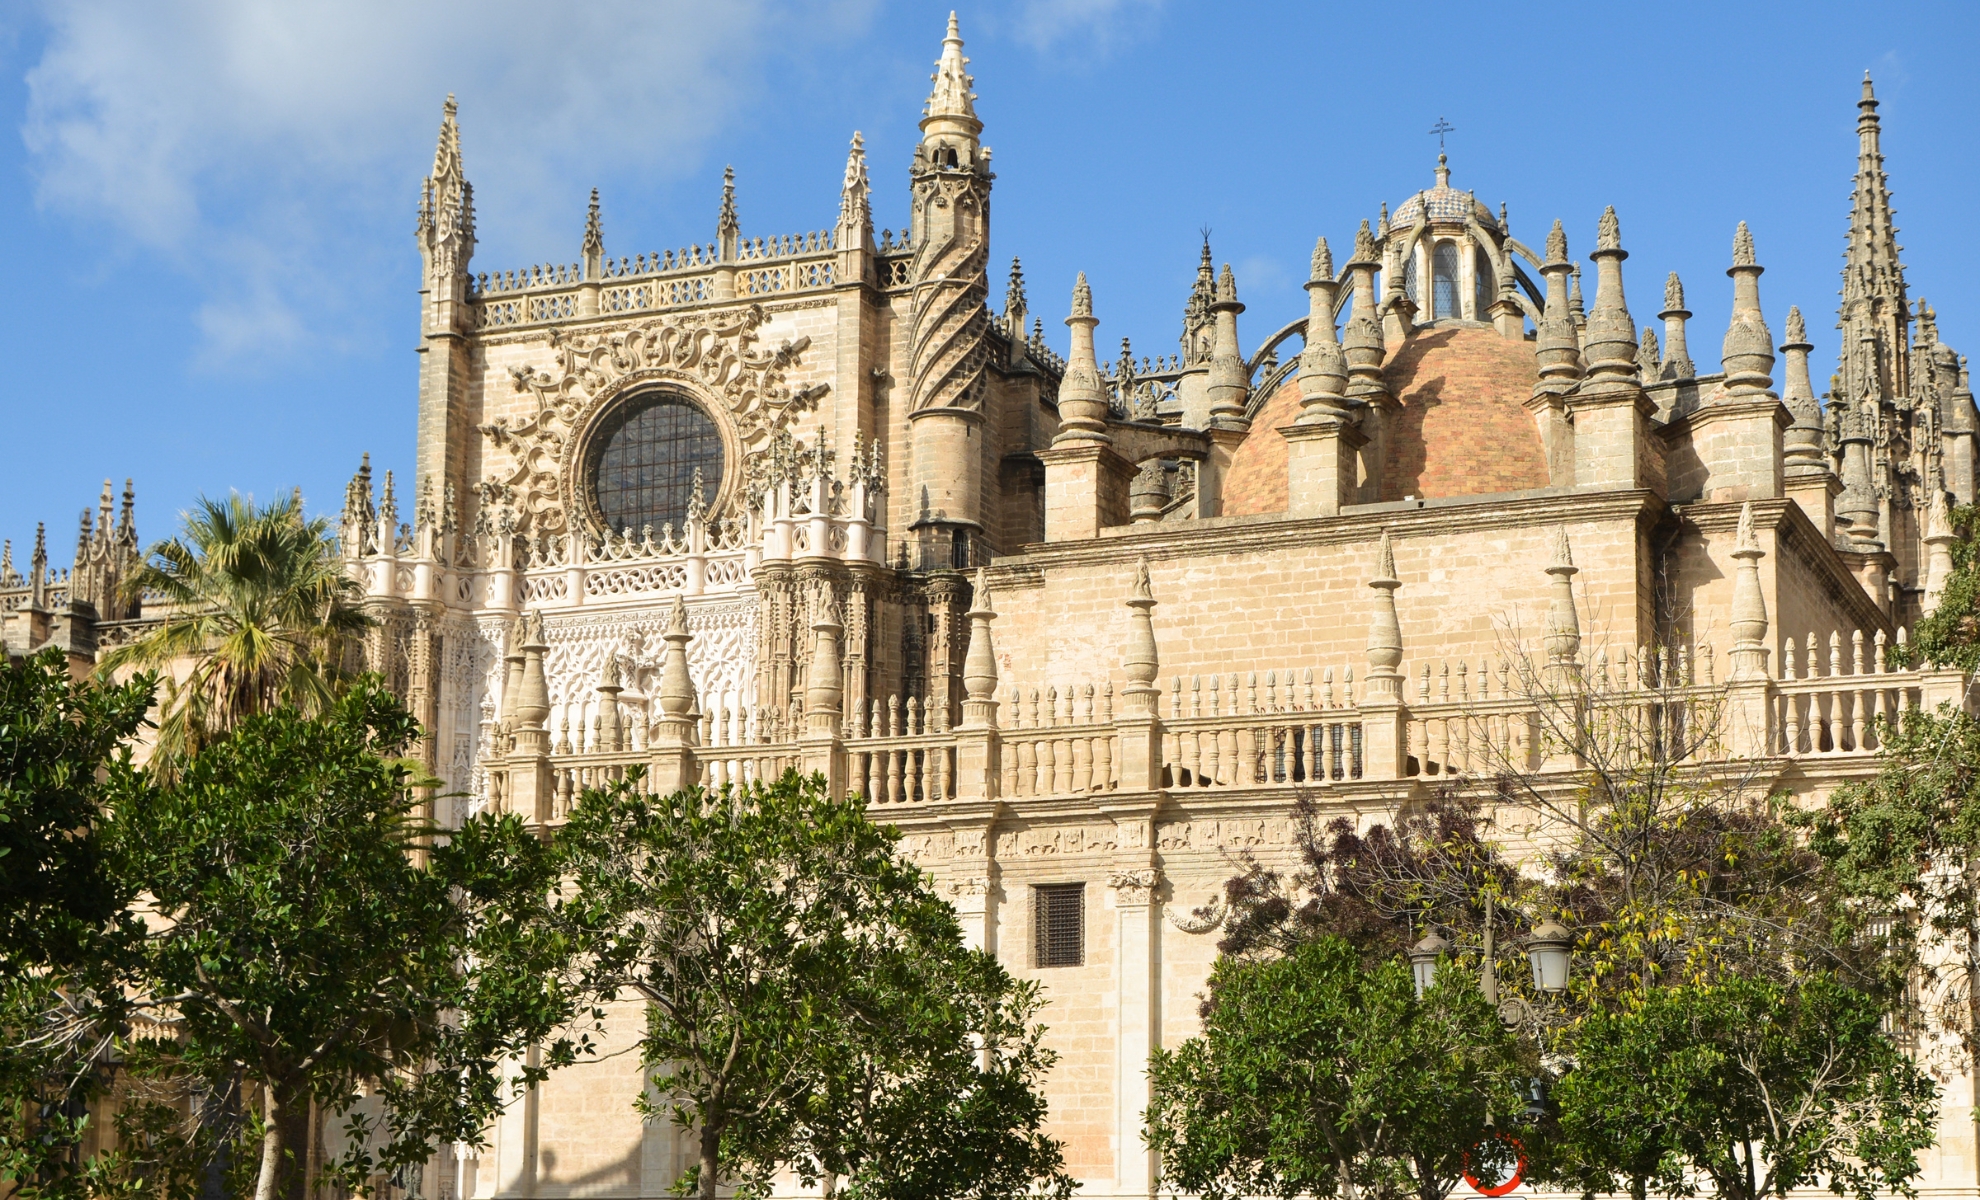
(1547, 950)
(1423, 961)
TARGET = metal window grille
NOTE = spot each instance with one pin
(648, 453)
(1059, 924)
(1484, 288)
(1443, 281)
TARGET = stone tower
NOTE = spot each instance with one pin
(446, 246)
(949, 318)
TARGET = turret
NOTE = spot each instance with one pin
(1558, 353)
(1676, 362)
(949, 319)
(1322, 443)
(446, 246)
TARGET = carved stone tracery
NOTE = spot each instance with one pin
(710, 357)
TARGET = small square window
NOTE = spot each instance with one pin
(1058, 924)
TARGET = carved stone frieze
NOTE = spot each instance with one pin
(712, 356)
(1135, 886)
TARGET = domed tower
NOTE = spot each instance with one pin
(1445, 253)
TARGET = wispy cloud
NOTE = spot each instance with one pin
(250, 140)
(1099, 25)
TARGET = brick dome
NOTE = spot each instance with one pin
(1463, 428)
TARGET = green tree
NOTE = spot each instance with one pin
(308, 944)
(65, 758)
(1319, 1074)
(1904, 851)
(1949, 636)
(65, 763)
(931, 1085)
(809, 1002)
(259, 608)
(1761, 1086)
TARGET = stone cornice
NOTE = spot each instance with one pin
(1124, 544)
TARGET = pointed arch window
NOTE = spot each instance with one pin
(1409, 277)
(1443, 281)
(1484, 288)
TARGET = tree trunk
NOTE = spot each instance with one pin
(711, 1145)
(272, 1115)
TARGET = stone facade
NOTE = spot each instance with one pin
(1067, 622)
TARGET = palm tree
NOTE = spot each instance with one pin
(259, 614)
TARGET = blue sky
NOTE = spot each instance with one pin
(209, 205)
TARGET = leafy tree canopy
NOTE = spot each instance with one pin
(307, 944)
(1319, 1074)
(810, 1004)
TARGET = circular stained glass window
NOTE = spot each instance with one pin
(645, 458)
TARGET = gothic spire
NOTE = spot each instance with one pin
(593, 247)
(726, 226)
(446, 204)
(1014, 302)
(855, 194)
(951, 107)
(1874, 312)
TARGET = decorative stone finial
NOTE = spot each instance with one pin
(1749, 605)
(825, 690)
(1322, 367)
(1141, 662)
(1557, 347)
(1015, 305)
(1082, 394)
(1364, 246)
(1323, 262)
(1804, 451)
(980, 663)
(1610, 345)
(1229, 383)
(676, 685)
(1608, 231)
(1563, 621)
(1748, 352)
(1384, 629)
(1676, 362)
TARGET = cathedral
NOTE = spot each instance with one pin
(1086, 630)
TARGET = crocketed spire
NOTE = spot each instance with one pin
(593, 246)
(1875, 311)
(855, 199)
(446, 204)
(951, 107)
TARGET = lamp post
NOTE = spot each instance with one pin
(1546, 952)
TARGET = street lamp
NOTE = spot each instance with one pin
(1423, 961)
(1547, 950)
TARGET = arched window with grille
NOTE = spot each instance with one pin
(1443, 281)
(1409, 277)
(1484, 289)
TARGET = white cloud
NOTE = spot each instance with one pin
(241, 138)
(1100, 24)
